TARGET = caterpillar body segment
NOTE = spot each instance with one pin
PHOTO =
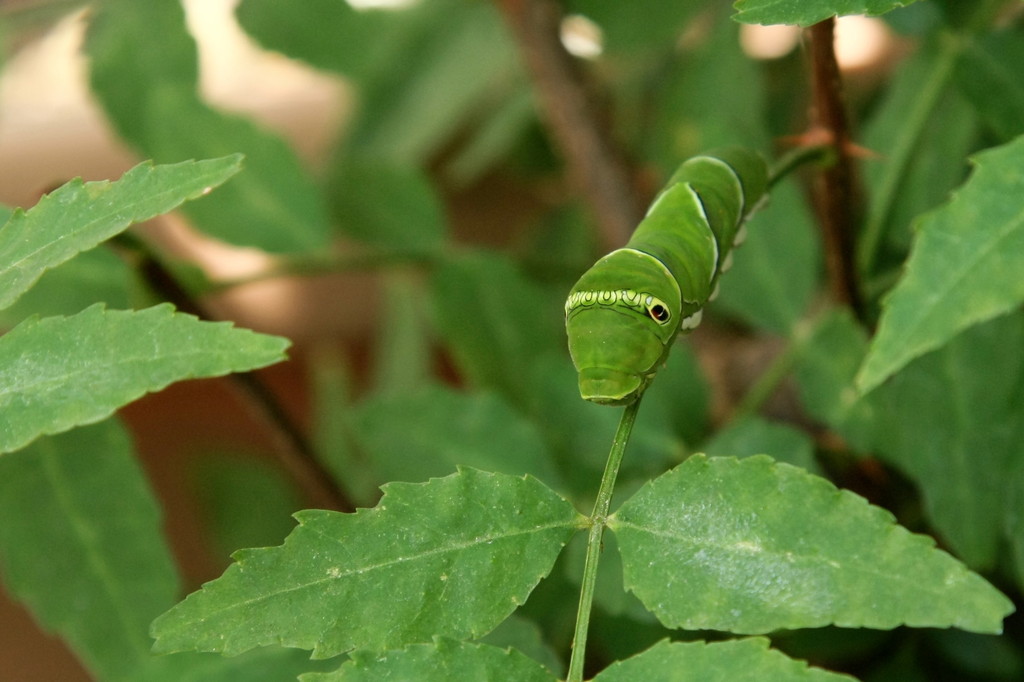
(625, 311)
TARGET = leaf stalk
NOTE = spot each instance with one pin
(598, 521)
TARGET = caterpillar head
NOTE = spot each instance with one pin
(619, 337)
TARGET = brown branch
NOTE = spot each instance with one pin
(837, 190)
(597, 169)
(293, 450)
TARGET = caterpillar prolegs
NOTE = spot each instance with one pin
(624, 312)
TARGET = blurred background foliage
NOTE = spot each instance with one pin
(407, 216)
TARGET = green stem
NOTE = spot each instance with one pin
(795, 158)
(776, 372)
(598, 521)
(898, 158)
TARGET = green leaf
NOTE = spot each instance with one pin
(403, 351)
(924, 139)
(95, 276)
(964, 269)
(756, 436)
(332, 434)
(674, 417)
(978, 657)
(946, 420)
(270, 664)
(631, 27)
(807, 12)
(427, 432)
(524, 635)
(1014, 519)
(244, 503)
(685, 125)
(825, 370)
(499, 136)
(78, 216)
(61, 372)
(753, 546)
(949, 420)
(495, 322)
(423, 72)
(453, 556)
(578, 431)
(389, 205)
(737, 660)
(456, 58)
(327, 34)
(145, 74)
(443, 661)
(989, 80)
(757, 288)
(81, 545)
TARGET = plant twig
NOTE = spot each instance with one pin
(595, 166)
(778, 371)
(598, 521)
(837, 192)
(293, 450)
(789, 162)
(308, 265)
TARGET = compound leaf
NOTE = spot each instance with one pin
(144, 71)
(738, 660)
(987, 77)
(78, 216)
(453, 556)
(269, 664)
(751, 546)
(486, 313)
(80, 545)
(442, 428)
(807, 12)
(946, 420)
(326, 34)
(441, 661)
(390, 206)
(949, 420)
(964, 269)
(825, 372)
(756, 436)
(61, 372)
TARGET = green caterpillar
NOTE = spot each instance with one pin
(624, 312)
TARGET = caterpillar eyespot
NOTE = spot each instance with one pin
(625, 311)
(659, 313)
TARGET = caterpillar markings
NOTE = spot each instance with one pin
(637, 301)
(624, 312)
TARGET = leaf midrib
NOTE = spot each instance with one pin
(130, 210)
(947, 284)
(835, 565)
(122, 361)
(384, 565)
(134, 635)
